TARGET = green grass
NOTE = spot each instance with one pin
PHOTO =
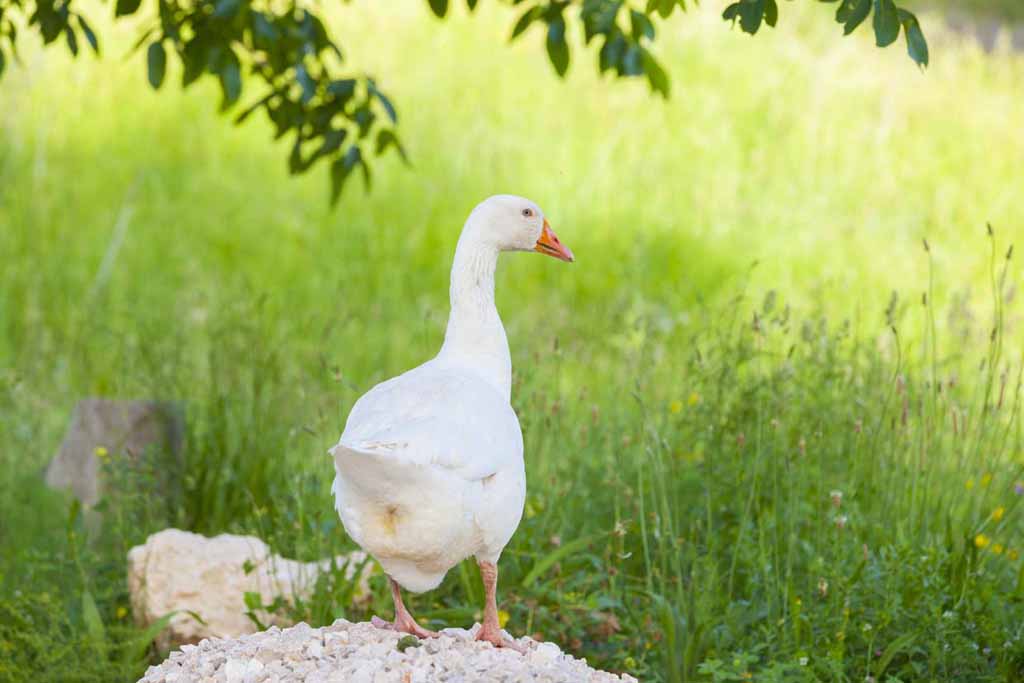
(684, 426)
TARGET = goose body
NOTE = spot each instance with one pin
(429, 468)
(430, 472)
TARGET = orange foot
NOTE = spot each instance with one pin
(494, 636)
(404, 624)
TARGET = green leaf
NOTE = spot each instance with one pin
(771, 12)
(225, 9)
(656, 75)
(69, 34)
(91, 617)
(384, 101)
(852, 14)
(405, 642)
(665, 7)
(90, 37)
(529, 16)
(886, 23)
(253, 601)
(917, 46)
(641, 25)
(892, 650)
(342, 89)
(751, 14)
(550, 559)
(156, 63)
(471, 4)
(126, 7)
(387, 138)
(230, 79)
(136, 649)
(611, 52)
(194, 56)
(558, 49)
(439, 7)
(3, 63)
(632, 63)
(341, 169)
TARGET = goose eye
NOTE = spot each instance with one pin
(527, 212)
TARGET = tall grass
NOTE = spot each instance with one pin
(687, 416)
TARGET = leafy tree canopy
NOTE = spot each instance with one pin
(343, 118)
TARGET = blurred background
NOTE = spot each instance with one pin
(792, 278)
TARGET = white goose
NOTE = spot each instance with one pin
(430, 465)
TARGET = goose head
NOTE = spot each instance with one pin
(509, 223)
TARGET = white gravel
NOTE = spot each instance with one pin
(360, 653)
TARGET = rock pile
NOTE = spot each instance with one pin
(360, 653)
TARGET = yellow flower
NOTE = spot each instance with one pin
(694, 398)
(101, 452)
(1012, 554)
(997, 548)
(981, 541)
(998, 513)
(122, 612)
(986, 479)
(503, 618)
(675, 406)
(969, 484)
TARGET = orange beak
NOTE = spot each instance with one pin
(549, 244)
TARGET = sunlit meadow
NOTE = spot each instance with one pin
(771, 432)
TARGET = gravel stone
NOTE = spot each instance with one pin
(361, 653)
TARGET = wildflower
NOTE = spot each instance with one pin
(694, 398)
(841, 522)
(997, 548)
(1018, 488)
(556, 540)
(822, 587)
(866, 627)
(1012, 555)
(837, 498)
(503, 618)
(101, 452)
(969, 484)
(803, 661)
(122, 612)
(998, 513)
(981, 541)
(675, 406)
(747, 676)
(986, 479)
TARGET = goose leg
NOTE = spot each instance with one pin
(403, 620)
(490, 630)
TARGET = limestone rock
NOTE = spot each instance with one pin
(100, 428)
(347, 653)
(178, 571)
